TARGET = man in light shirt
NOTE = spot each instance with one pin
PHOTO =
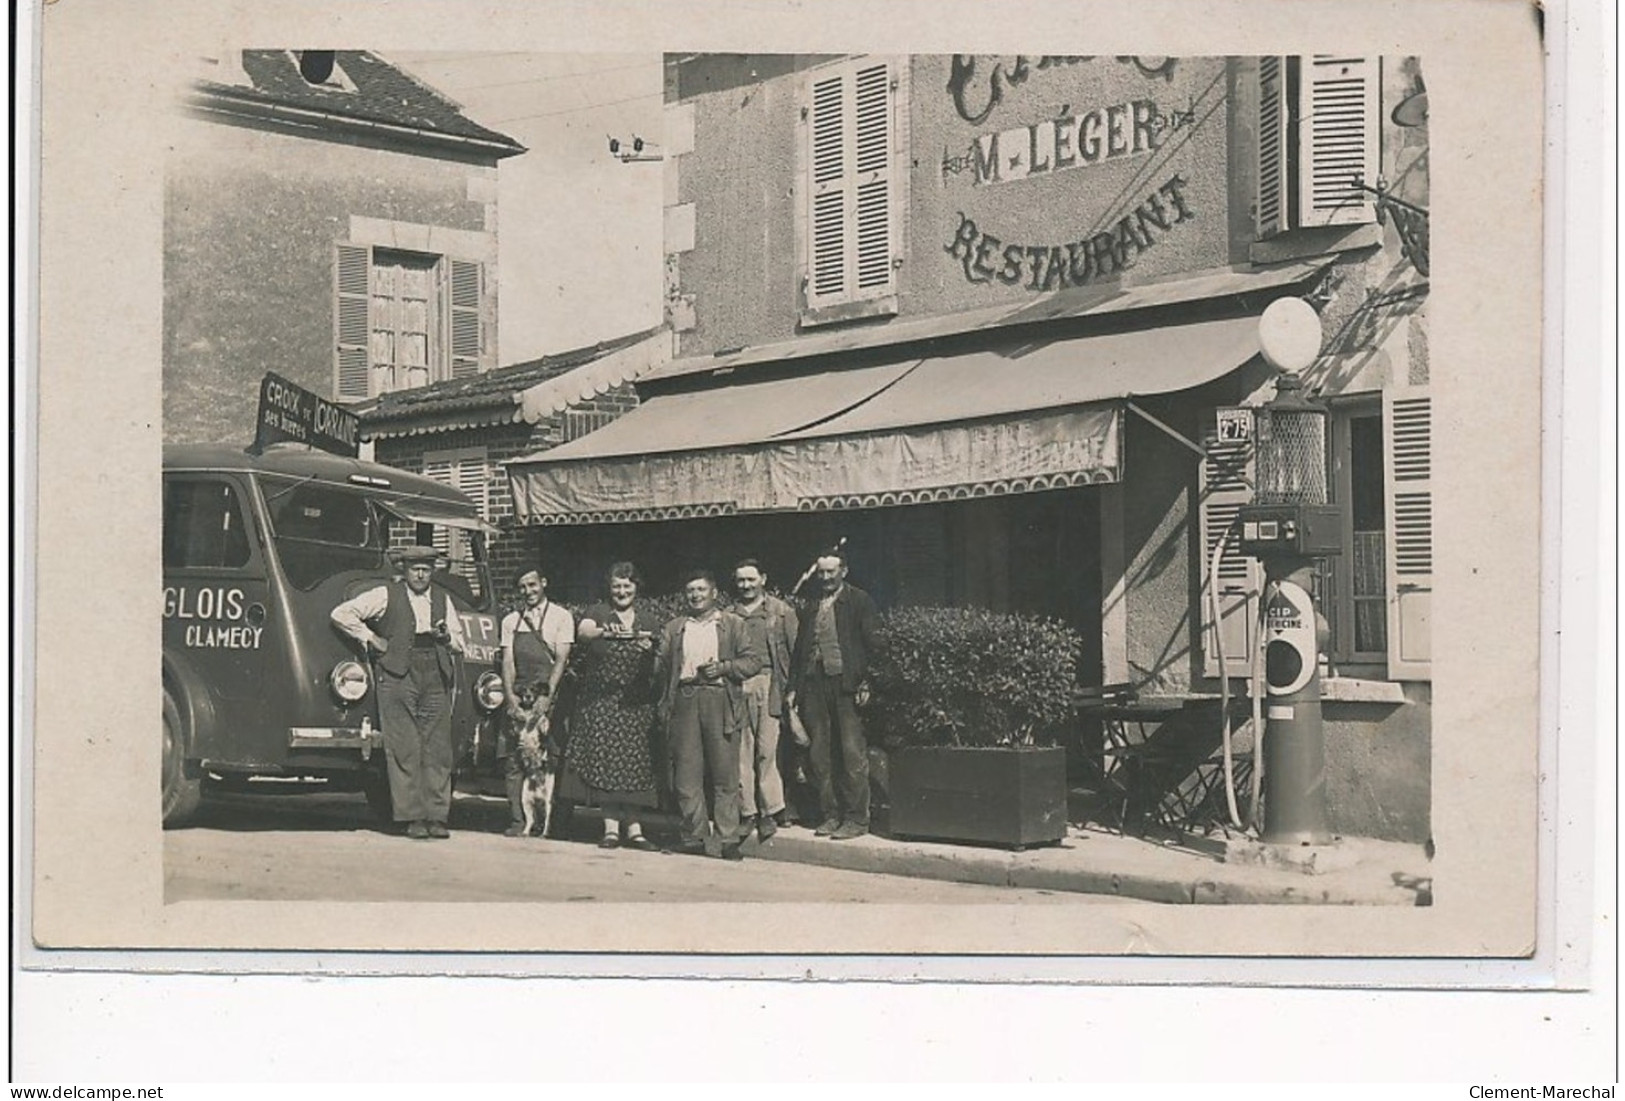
(536, 641)
(773, 628)
(411, 630)
(700, 663)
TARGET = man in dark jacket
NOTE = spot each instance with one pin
(829, 681)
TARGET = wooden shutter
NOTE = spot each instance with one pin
(443, 469)
(465, 471)
(826, 281)
(1337, 140)
(850, 220)
(467, 338)
(351, 328)
(1273, 120)
(872, 213)
(1407, 416)
(1227, 478)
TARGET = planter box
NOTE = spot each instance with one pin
(999, 796)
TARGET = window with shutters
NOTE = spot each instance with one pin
(1355, 584)
(1318, 140)
(467, 470)
(1377, 595)
(853, 190)
(1408, 417)
(405, 319)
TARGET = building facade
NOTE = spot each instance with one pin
(982, 317)
(462, 430)
(332, 219)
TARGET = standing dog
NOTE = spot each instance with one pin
(539, 759)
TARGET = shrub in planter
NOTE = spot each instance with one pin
(968, 702)
(970, 677)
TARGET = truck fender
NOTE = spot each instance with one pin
(192, 698)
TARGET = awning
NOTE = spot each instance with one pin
(1079, 302)
(446, 514)
(1040, 415)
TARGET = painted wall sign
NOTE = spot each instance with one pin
(985, 258)
(977, 85)
(1068, 141)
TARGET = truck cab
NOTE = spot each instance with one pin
(258, 684)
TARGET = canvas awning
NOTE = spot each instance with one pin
(1041, 414)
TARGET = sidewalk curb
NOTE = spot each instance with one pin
(1207, 884)
(1002, 869)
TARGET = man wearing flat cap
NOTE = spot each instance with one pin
(412, 631)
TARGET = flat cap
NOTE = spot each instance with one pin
(418, 553)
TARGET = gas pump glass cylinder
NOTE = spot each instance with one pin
(1291, 448)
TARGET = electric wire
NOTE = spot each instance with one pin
(577, 110)
(549, 78)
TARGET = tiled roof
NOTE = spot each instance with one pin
(383, 94)
(493, 397)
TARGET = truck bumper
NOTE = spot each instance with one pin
(335, 737)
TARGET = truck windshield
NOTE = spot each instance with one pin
(321, 530)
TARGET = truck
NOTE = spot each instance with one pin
(260, 691)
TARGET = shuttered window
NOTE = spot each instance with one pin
(1355, 583)
(403, 320)
(1226, 485)
(467, 339)
(1318, 138)
(852, 183)
(468, 471)
(352, 281)
(1408, 418)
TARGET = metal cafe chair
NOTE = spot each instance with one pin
(1134, 770)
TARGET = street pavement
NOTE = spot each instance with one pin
(325, 846)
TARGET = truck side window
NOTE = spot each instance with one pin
(203, 526)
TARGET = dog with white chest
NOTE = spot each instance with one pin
(538, 757)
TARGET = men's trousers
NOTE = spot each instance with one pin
(761, 788)
(702, 749)
(839, 754)
(415, 711)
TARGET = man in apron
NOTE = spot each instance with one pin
(536, 642)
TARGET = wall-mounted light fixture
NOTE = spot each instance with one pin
(1412, 111)
(636, 150)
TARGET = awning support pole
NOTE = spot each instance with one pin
(1143, 415)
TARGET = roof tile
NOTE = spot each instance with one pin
(383, 93)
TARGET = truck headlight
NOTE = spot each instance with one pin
(349, 681)
(489, 691)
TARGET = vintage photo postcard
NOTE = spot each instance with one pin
(666, 483)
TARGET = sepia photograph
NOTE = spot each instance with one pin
(928, 477)
(913, 535)
(942, 505)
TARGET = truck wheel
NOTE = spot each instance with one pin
(376, 788)
(181, 793)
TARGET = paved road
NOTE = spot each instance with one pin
(325, 847)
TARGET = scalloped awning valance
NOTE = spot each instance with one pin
(1034, 414)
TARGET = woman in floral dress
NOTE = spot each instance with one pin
(610, 760)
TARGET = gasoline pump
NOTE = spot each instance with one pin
(1287, 527)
